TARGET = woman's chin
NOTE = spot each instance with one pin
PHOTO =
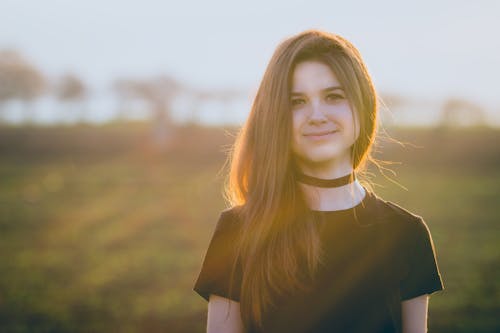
(324, 159)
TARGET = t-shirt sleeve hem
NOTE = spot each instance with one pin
(216, 271)
(438, 286)
(202, 293)
(206, 295)
(423, 276)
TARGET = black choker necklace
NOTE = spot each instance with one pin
(319, 182)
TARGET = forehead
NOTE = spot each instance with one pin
(311, 76)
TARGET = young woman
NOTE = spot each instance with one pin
(305, 247)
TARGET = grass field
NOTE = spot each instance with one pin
(101, 232)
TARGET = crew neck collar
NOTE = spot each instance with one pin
(358, 207)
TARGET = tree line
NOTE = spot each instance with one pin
(20, 80)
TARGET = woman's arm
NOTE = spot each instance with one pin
(414, 314)
(223, 315)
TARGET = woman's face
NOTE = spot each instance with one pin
(323, 125)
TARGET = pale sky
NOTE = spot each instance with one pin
(426, 48)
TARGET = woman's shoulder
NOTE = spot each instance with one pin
(229, 219)
(231, 214)
(391, 212)
(398, 222)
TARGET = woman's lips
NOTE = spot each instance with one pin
(320, 135)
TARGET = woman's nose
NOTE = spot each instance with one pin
(317, 112)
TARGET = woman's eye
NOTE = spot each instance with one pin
(334, 97)
(297, 101)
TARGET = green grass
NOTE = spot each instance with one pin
(101, 232)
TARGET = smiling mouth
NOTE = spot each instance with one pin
(320, 134)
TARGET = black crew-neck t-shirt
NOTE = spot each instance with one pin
(376, 255)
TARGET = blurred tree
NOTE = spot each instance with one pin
(159, 93)
(458, 112)
(19, 80)
(71, 91)
(70, 88)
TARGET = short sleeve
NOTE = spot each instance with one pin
(215, 274)
(422, 275)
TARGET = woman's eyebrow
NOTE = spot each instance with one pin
(295, 93)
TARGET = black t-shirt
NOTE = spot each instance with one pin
(377, 254)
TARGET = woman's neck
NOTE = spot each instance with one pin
(334, 198)
(331, 198)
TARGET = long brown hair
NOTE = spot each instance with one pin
(277, 236)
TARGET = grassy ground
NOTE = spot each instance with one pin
(101, 231)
